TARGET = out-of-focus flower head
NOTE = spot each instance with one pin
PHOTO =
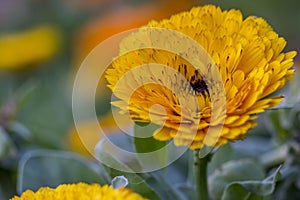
(27, 48)
(251, 62)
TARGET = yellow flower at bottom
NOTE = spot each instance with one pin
(80, 191)
(248, 55)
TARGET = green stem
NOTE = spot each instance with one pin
(201, 175)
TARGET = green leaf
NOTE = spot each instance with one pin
(222, 155)
(253, 146)
(20, 130)
(7, 184)
(7, 147)
(236, 170)
(145, 143)
(24, 92)
(288, 187)
(276, 156)
(120, 166)
(187, 191)
(143, 137)
(50, 168)
(57, 111)
(251, 189)
(160, 182)
(171, 182)
(238, 192)
(279, 123)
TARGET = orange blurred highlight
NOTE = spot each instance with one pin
(121, 19)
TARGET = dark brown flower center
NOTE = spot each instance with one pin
(198, 84)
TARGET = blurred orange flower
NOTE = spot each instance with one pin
(121, 19)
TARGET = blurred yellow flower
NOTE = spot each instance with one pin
(248, 54)
(22, 49)
(80, 191)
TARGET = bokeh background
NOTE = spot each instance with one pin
(42, 44)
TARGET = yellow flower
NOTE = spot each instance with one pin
(80, 191)
(248, 55)
(21, 49)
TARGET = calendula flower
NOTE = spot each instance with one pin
(79, 191)
(250, 60)
(29, 47)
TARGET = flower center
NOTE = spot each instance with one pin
(198, 84)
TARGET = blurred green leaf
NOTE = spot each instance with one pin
(7, 147)
(20, 130)
(171, 182)
(23, 93)
(288, 187)
(47, 124)
(161, 182)
(292, 95)
(252, 146)
(50, 168)
(279, 123)
(238, 192)
(119, 168)
(276, 156)
(178, 171)
(187, 191)
(251, 189)
(7, 185)
(232, 171)
(153, 185)
(222, 155)
(145, 143)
